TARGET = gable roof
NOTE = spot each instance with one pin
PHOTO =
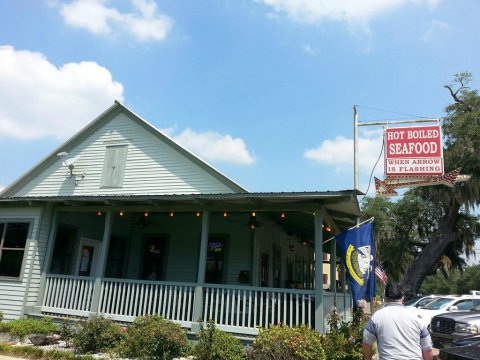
(116, 109)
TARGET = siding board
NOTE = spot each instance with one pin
(152, 167)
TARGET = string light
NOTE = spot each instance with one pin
(171, 214)
(282, 215)
(121, 213)
(225, 214)
(146, 214)
(99, 213)
(253, 213)
(198, 214)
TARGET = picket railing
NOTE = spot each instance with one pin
(68, 295)
(239, 309)
(124, 299)
(244, 309)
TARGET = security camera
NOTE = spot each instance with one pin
(63, 153)
(69, 162)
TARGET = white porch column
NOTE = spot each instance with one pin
(202, 264)
(100, 270)
(319, 316)
(48, 257)
(333, 268)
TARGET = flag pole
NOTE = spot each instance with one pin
(353, 227)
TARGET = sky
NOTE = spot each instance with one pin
(262, 90)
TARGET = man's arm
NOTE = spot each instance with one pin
(368, 351)
(427, 354)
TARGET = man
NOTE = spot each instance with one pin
(399, 333)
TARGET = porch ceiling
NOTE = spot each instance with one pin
(341, 207)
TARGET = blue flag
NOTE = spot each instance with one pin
(358, 254)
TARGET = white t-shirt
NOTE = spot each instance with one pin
(399, 332)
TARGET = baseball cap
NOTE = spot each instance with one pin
(393, 291)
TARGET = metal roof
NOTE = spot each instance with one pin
(341, 207)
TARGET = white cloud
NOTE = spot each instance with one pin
(434, 27)
(356, 13)
(338, 153)
(145, 24)
(38, 99)
(309, 49)
(215, 147)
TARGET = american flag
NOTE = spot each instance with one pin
(381, 274)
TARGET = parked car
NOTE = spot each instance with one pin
(448, 327)
(420, 301)
(469, 352)
(447, 303)
(467, 340)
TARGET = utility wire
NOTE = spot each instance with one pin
(371, 174)
(393, 112)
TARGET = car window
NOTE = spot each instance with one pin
(440, 303)
(464, 304)
(425, 301)
(412, 301)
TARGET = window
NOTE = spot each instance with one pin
(215, 260)
(13, 239)
(114, 166)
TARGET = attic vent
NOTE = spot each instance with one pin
(114, 166)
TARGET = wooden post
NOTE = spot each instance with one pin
(47, 258)
(100, 270)
(319, 316)
(202, 263)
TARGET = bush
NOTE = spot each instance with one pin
(22, 327)
(284, 343)
(38, 353)
(67, 331)
(97, 334)
(344, 339)
(152, 337)
(214, 344)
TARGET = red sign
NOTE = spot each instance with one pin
(414, 151)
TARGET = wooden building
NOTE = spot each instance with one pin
(122, 221)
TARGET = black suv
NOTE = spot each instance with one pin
(450, 326)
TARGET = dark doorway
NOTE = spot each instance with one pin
(116, 257)
(154, 257)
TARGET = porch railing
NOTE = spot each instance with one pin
(124, 299)
(239, 309)
(244, 309)
(68, 295)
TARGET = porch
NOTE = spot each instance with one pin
(205, 258)
(237, 309)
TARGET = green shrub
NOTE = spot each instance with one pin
(281, 342)
(343, 341)
(214, 344)
(67, 331)
(39, 353)
(22, 327)
(97, 334)
(152, 337)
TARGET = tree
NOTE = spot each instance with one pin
(432, 226)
